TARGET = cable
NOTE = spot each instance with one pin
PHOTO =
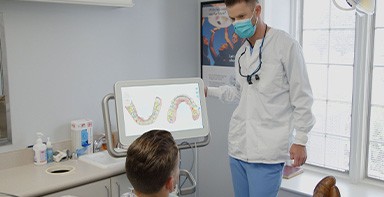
(1, 68)
(193, 161)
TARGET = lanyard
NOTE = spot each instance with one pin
(249, 77)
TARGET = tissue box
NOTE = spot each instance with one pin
(82, 136)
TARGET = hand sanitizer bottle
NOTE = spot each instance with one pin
(40, 149)
(49, 151)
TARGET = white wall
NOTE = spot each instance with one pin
(63, 59)
(277, 13)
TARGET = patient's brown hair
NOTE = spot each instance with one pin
(151, 160)
(233, 2)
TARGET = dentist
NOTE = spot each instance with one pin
(273, 116)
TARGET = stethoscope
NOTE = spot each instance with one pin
(249, 77)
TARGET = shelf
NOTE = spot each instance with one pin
(111, 3)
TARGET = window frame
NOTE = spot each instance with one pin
(361, 93)
(4, 83)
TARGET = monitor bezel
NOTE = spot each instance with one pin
(177, 135)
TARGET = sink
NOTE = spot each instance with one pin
(60, 169)
(102, 159)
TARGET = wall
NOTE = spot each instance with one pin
(277, 14)
(63, 59)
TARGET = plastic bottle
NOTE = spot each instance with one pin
(40, 149)
(49, 151)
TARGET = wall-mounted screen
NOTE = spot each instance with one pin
(218, 44)
(176, 105)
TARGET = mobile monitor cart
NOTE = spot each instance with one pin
(175, 105)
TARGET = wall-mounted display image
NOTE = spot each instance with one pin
(219, 44)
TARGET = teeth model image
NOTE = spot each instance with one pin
(172, 112)
(140, 120)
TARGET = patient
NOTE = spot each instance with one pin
(152, 164)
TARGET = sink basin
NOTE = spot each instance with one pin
(103, 160)
(60, 169)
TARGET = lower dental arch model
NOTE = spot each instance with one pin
(172, 112)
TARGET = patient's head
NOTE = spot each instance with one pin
(152, 163)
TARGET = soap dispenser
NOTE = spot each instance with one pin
(49, 151)
(40, 149)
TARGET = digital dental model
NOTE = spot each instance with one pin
(140, 120)
(172, 112)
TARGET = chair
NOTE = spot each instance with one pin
(326, 188)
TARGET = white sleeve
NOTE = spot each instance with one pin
(300, 92)
(226, 93)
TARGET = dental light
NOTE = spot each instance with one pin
(365, 6)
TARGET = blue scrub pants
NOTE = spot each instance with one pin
(255, 179)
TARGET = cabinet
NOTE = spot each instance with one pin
(113, 3)
(95, 189)
(119, 185)
(111, 187)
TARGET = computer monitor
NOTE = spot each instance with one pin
(175, 105)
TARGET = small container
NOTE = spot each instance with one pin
(40, 149)
(49, 151)
(82, 136)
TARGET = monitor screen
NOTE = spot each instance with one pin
(175, 105)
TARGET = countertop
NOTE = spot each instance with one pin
(304, 184)
(33, 180)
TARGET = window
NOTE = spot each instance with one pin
(328, 45)
(5, 131)
(345, 131)
(376, 129)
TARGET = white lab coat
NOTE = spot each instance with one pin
(269, 110)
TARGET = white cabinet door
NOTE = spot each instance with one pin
(114, 3)
(120, 185)
(96, 189)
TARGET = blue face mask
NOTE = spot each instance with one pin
(244, 28)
